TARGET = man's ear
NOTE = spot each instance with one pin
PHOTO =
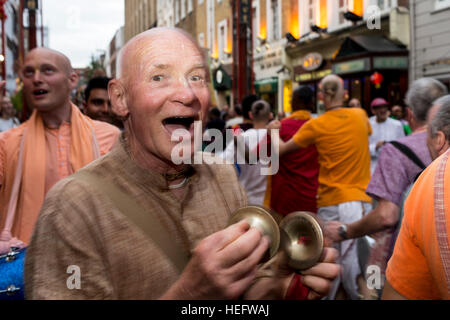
(441, 142)
(116, 92)
(73, 79)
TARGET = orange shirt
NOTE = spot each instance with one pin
(342, 140)
(57, 158)
(415, 269)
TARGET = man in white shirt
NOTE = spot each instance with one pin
(250, 175)
(384, 129)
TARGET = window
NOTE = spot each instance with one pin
(200, 2)
(441, 4)
(223, 37)
(177, 11)
(255, 23)
(183, 9)
(201, 39)
(311, 12)
(343, 8)
(190, 6)
(275, 19)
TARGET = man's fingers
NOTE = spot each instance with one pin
(324, 270)
(319, 285)
(329, 255)
(241, 248)
(251, 261)
(219, 240)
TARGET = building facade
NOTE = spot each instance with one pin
(356, 39)
(113, 54)
(140, 15)
(430, 41)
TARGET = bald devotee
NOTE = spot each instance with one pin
(341, 136)
(54, 143)
(418, 268)
(191, 254)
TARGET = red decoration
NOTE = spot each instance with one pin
(376, 79)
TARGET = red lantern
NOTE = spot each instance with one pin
(376, 79)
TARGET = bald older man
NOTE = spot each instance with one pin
(163, 88)
(341, 138)
(54, 143)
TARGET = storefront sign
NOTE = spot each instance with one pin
(267, 85)
(352, 66)
(312, 61)
(244, 11)
(390, 63)
(269, 60)
(312, 75)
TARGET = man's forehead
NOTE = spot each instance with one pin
(158, 48)
(39, 57)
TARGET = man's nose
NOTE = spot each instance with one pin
(37, 76)
(105, 107)
(184, 92)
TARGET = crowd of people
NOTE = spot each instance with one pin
(95, 186)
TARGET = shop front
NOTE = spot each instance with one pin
(372, 66)
(267, 89)
(268, 67)
(312, 69)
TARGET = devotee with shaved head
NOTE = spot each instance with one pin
(163, 89)
(341, 137)
(54, 143)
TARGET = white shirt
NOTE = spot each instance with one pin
(249, 175)
(388, 130)
(233, 121)
(6, 124)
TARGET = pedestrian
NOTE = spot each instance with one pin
(341, 136)
(57, 141)
(398, 113)
(417, 269)
(250, 175)
(8, 118)
(354, 103)
(294, 186)
(395, 171)
(163, 88)
(384, 129)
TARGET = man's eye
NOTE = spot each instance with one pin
(28, 73)
(158, 78)
(48, 71)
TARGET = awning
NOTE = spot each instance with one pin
(357, 45)
(267, 85)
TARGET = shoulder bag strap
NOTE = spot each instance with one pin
(409, 153)
(148, 223)
(439, 217)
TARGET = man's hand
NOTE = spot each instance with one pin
(319, 278)
(331, 231)
(379, 145)
(275, 124)
(222, 266)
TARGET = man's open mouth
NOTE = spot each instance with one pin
(174, 123)
(40, 92)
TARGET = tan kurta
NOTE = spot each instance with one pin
(79, 226)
